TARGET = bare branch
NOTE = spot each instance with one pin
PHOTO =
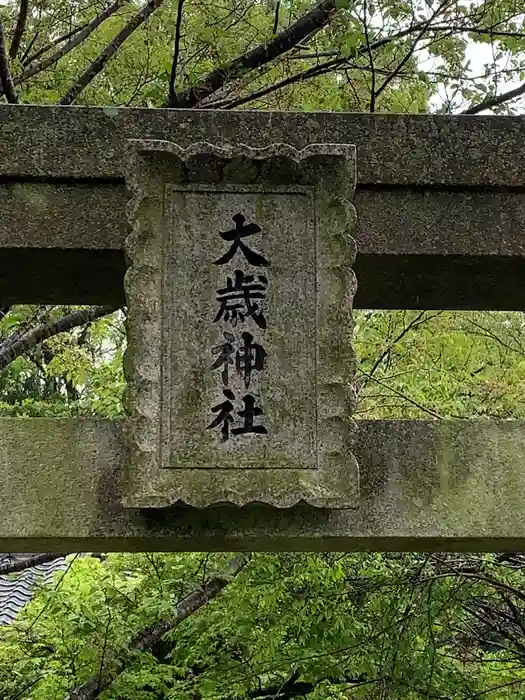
(176, 49)
(6, 78)
(490, 580)
(15, 566)
(417, 321)
(27, 60)
(496, 100)
(47, 330)
(403, 396)
(146, 639)
(490, 31)
(110, 50)
(396, 72)
(28, 48)
(451, 28)
(508, 684)
(312, 21)
(315, 71)
(371, 59)
(424, 29)
(77, 39)
(19, 29)
(276, 17)
(297, 55)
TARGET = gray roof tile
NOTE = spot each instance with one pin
(16, 590)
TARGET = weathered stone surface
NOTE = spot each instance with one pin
(47, 215)
(393, 149)
(399, 221)
(426, 485)
(428, 187)
(276, 430)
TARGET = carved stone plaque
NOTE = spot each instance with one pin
(239, 365)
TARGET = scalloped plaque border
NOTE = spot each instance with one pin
(330, 169)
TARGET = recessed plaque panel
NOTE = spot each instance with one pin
(239, 384)
(240, 290)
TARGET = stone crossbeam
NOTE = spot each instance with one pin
(426, 485)
(441, 200)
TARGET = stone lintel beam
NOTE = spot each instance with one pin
(426, 485)
(441, 200)
(396, 150)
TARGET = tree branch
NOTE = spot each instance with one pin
(424, 29)
(403, 396)
(110, 50)
(28, 48)
(27, 60)
(6, 79)
(79, 37)
(19, 29)
(312, 72)
(146, 639)
(487, 691)
(47, 330)
(477, 30)
(22, 564)
(312, 21)
(195, 600)
(176, 49)
(292, 688)
(276, 17)
(37, 317)
(496, 100)
(494, 33)
(293, 36)
(414, 323)
(371, 59)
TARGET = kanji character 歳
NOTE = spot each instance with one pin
(237, 299)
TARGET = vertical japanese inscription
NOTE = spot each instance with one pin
(239, 291)
(243, 391)
(240, 301)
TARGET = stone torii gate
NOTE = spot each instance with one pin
(441, 216)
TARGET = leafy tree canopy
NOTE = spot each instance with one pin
(347, 55)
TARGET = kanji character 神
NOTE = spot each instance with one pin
(247, 358)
